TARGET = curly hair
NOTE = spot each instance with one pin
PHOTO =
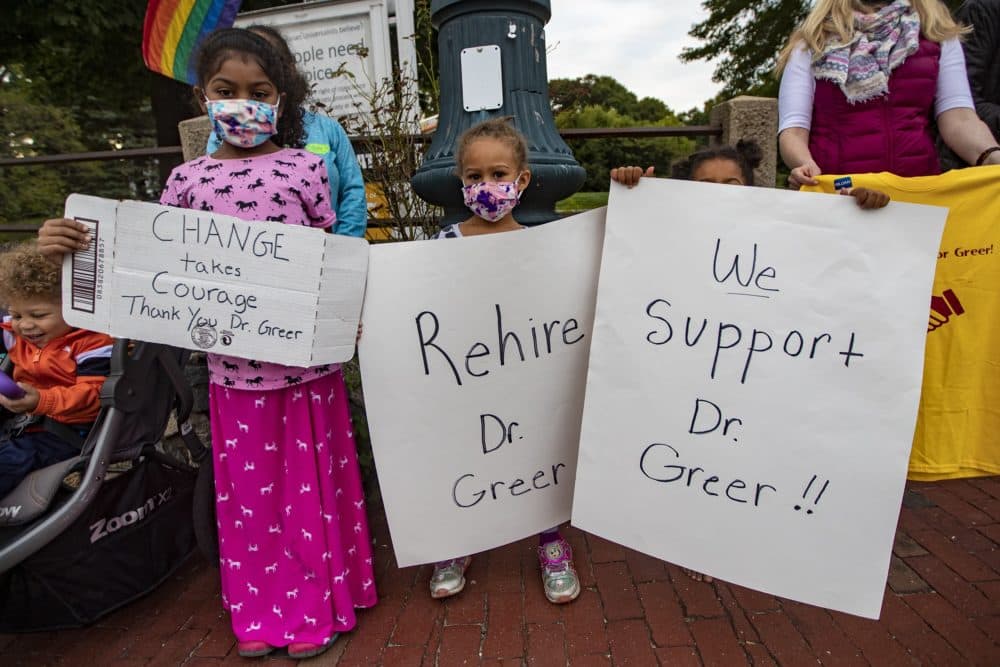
(238, 42)
(746, 154)
(500, 129)
(28, 275)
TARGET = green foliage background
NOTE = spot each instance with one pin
(601, 101)
(72, 79)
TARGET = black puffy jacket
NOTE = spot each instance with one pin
(982, 57)
(982, 60)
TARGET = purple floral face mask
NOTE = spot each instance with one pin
(243, 123)
(492, 200)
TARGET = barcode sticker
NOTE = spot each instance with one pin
(84, 271)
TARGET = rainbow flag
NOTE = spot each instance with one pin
(173, 29)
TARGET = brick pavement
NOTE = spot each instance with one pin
(942, 607)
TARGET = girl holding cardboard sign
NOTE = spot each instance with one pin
(295, 552)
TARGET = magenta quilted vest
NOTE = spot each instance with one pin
(890, 133)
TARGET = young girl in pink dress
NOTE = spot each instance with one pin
(293, 537)
(295, 552)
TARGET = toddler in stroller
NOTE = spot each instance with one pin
(71, 553)
(58, 369)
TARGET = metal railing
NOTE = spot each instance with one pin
(359, 142)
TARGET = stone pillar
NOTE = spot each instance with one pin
(194, 136)
(756, 118)
(517, 27)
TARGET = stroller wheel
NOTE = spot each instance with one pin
(205, 530)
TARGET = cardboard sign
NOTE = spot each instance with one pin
(753, 384)
(258, 290)
(473, 360)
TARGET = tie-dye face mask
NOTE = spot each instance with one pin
(243, 123)
(492, 200)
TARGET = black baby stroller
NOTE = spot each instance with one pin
(71, 555)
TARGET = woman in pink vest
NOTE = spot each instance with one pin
(863, 84)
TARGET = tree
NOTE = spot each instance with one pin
(29, 128)
(78, 63)
(602, 101)
(651, 109)
(603, 91)
(84, 57)
(597, 156)
(745, 37)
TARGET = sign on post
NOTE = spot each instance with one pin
(323, 36)
(258, 290)
(473, 360)
(753, 384)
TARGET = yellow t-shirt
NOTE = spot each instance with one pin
(958, 426)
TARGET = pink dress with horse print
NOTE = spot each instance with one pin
(289, 186)
(294, 546)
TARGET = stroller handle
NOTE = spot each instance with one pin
(37, 536)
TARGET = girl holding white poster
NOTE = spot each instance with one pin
(294, 546)
(729, 165)
(492, 161)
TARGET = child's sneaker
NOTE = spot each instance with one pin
(253, 649)
(303, 650)
(558, 574)
(449, 577)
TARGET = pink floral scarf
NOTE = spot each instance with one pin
(882, 42)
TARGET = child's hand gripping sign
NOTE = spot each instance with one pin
(259, 290)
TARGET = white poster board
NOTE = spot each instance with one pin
(753, 384)
(325, 35)
(473, 360)
(259, 290)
